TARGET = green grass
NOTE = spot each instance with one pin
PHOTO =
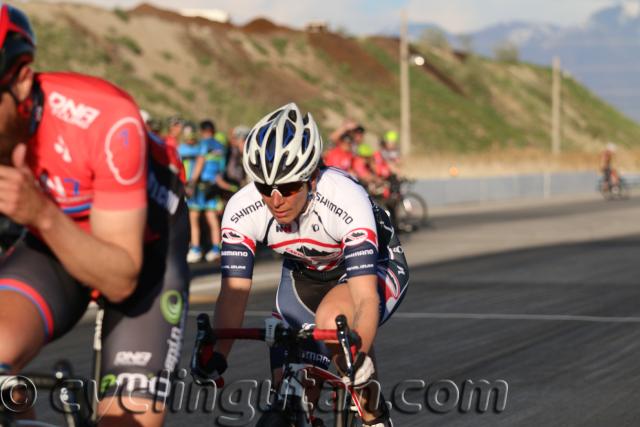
(188, 94)
(165, 80)
(258, 46)
(305, 75)
(121, 14)
(280, 45)
(167, 56)
(126, 42)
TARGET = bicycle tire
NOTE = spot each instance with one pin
(624, 193)
(411, 212)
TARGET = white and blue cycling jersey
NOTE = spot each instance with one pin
(336, 230)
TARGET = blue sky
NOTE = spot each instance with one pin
(363, 17)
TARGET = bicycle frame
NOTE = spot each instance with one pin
(292, 390)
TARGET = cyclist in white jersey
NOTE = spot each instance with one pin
(341, 254)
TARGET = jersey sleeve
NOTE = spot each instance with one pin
(203, 149)
(120, 165)
(238, 241)
(357, 231)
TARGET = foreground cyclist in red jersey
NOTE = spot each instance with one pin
(104, 208)
(341, 254)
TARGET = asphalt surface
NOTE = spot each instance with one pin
(542, 300)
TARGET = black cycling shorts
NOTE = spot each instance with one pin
(142, 336)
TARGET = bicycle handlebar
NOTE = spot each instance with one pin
(283, 334)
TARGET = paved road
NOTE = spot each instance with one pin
(545, 298)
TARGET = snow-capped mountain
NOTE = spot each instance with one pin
(603, 52)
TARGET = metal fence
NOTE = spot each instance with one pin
(440, 192)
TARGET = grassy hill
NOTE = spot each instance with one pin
(460, 104)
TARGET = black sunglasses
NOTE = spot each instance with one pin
(285, 190)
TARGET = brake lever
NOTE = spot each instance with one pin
(204, 336)
(345, 342)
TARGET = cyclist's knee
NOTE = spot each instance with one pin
(21, 330)
(14, 351)
(327, 313)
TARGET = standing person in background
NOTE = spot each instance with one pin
(370, 172)
(341, 156)
(234, 175)
(389, 150)
(192, 154)
(345, 128)
(212, 167)
(358, 137)
(175, 131)
(221, 137)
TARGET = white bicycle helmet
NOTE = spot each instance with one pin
(282, 147)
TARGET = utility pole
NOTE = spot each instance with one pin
(405, 113)
(556, 88)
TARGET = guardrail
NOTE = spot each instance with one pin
(439, 192)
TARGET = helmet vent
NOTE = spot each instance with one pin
(293, 116)
(310, 159)
(271, 147)
(263, 130)
(284, 168)
(289, 133)
(274, 115)
(305, 139)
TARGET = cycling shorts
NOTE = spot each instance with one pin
(301, 291)
(203, 200)
(142, 336)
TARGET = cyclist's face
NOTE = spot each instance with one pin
(286, 209)
(9, 127)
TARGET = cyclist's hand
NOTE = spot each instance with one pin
(21, 198)
(190, 188)
(207, 365)
(363, 366)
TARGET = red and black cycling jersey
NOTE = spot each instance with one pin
(90, 149)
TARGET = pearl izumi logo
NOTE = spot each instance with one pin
(171, 306)
(67, 110)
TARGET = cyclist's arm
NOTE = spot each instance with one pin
(225, 185)
(230, 307)
(109, 259)
(197, 169)
(364, 292)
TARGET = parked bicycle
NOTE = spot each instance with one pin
(289, 407)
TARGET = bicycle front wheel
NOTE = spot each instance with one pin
(411, 212)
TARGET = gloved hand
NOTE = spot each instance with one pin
(363, 366)
(207, 365)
